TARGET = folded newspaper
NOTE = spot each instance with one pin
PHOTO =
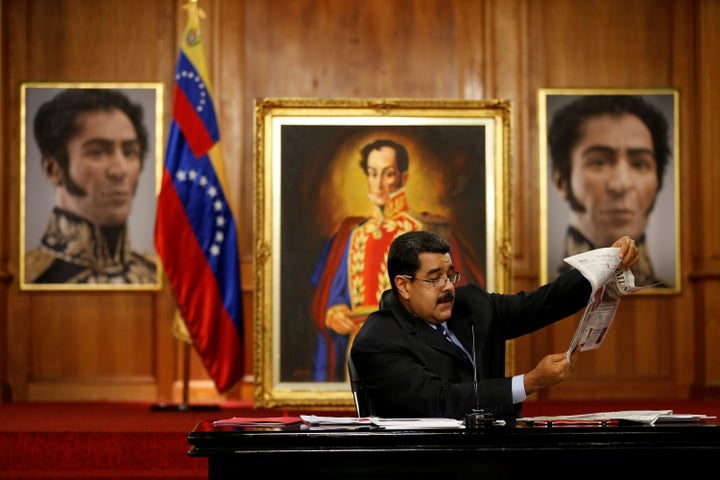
(608, 286)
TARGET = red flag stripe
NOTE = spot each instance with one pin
(190, 124)
(217, 340)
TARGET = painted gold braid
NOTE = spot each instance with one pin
(383, 280)
(356, 265)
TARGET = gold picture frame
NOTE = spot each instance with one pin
(308, 178)
(37, 191)
(662, 232)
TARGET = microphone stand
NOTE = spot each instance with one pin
(478, 418)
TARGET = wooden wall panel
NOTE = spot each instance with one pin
(705, 243)
(61, 345)
(5, 275)
(603, 48)
(370, 48)
(118, 346)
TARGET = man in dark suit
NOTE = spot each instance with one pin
(409, 368)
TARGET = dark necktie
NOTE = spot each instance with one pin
(442, 329)
(444, 332)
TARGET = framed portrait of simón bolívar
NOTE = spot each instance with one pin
(90, 163)
(313, 191)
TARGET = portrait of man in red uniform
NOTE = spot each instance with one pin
(351, 273)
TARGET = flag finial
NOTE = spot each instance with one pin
(192, 7)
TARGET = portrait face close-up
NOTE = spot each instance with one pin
(383, 175)
(611, 170)
(613, 179)
(104, 164)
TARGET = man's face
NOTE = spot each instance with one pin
(103, 161)
(432, 304)
(383, 175)
(614, 177)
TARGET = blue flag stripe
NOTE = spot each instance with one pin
(209, 215)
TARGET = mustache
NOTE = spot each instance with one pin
(447, 297)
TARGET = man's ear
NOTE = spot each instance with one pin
(53, 172)
(402, 284)
(404, 178)
(560, 184)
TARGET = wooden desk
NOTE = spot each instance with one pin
(494, 452)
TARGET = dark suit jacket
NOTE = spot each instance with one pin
(409, 370)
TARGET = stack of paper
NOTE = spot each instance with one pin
(384, 423)
(648, 417)
(416, 423)
(256, 421)
(321, 421)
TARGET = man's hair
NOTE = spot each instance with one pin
(568, 123)
(401, 154)
(56, 121)
(405, 250)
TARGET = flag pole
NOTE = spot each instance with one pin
(181, 334)
(185, 405)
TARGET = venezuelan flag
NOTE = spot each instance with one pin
(195, 232)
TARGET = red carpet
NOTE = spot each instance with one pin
(128, 440)
(106, 440)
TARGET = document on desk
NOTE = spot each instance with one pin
(383, 423)
(647, 417)
(417, 423)
(608, 286)
(324, 420)
(256, 421)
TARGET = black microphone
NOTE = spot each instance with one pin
(478, 418)
(475, 375)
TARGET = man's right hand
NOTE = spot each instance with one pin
(552, 369)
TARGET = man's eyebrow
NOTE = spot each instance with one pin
(641, 150)
(599, 149)
(97, 140)
(436, 270)
(128, 143)
(612, 151)
(105, 142)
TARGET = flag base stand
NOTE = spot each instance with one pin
(184, 406)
